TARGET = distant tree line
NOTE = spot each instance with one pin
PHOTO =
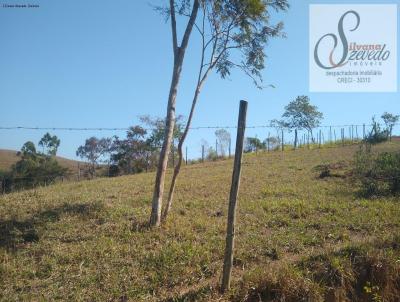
(137, 152)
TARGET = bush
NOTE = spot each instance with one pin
(378, 174)
(377, 135)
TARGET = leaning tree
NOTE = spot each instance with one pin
(233, 34)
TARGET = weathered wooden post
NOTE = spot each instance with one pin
(319, 139)
(186, 156)
(202, 153)
(295, 139)
(363, 131)
(230, 230)
(343, 137)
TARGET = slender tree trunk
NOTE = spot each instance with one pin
(179, 54)
(180, 154)
(200, 81)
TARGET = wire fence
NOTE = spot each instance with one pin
(271, 139)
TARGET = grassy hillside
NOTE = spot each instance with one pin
(9, 157)
(299, 237)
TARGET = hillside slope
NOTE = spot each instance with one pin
(298, 237)
(9, 157)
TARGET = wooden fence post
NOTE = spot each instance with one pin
(320, 139)
(202, 153)
(343, 137)
(186, 156)
(230, 231)
(363, 131)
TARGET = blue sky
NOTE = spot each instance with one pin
(97, 63)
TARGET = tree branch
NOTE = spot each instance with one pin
(173, 27)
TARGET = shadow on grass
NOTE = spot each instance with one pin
(15, 233)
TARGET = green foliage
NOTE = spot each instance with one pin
(300, 115)
(249, 28)
(377, 135)
(139, 151)
(223, 139)
(390, 121)
(157, 125)
(272, 142)
(211, 154)
(49, 144)
(33, 169)
(378, 174)
(253, 144)
(94, 150)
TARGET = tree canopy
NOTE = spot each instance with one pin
(300, 114)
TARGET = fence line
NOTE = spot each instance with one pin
(191, 128)
(278, 140)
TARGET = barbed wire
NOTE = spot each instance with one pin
(191, 128)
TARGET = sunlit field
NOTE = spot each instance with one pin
(299, 237)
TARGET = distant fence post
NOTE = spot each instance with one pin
(186, 155)
(283, 145)
(202, 153)
(230, 231)
(320, 139)
(363, 131)
(295, 139)
(343, 137)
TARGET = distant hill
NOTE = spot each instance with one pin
(9, 157)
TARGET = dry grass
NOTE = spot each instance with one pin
(85, 241)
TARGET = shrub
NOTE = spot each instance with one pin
(377, 135)
(378, 174)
